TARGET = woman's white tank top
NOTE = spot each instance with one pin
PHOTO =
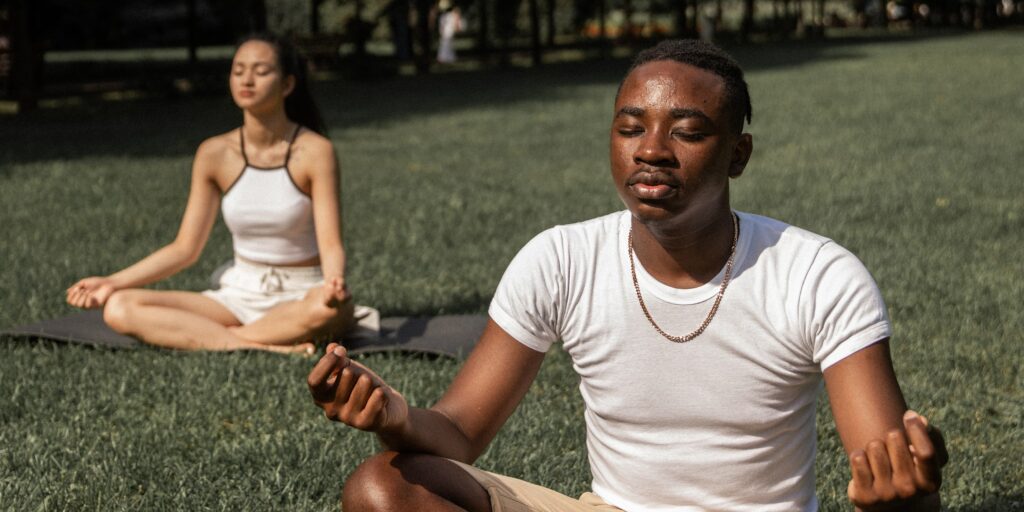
(270, 218)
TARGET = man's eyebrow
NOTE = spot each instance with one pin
(684, 113)
(630, 111)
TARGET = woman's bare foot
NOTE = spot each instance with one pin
(305, 349)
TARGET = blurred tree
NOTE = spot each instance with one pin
(26, 52)
(314, 16)
(535, 50)
(747, 21)
(256, 16)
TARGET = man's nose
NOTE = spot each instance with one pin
(654, 150)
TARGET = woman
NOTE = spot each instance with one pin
(276, 179)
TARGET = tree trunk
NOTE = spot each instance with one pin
(26, 55)
(314, 16)
(680, 18)
(426, 39)
(747, 24)
(193, 37)
(535, 53)
(551, 23)
(257, 15)
(483, 36)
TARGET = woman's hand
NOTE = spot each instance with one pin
(352, 394)
(335, 292)
(91, 292)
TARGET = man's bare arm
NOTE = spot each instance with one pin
(483, 395)
(895, 457)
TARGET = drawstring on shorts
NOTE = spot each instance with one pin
(272, 281)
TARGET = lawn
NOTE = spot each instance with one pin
(908, 152)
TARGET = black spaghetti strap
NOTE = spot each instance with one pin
(288, 154)
(241, 139)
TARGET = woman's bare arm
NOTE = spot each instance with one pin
(196, 224)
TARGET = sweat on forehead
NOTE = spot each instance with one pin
(706, 56)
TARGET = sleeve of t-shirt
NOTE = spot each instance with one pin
(525, 303)
(846, 309)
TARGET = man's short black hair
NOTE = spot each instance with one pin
(706, 56)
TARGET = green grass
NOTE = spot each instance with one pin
(907, 152)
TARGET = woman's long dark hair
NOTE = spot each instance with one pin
(299, 105)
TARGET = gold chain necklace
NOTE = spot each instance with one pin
(718, 298)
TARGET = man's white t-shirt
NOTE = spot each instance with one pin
(725, 421)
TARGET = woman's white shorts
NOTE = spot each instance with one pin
(250, 289)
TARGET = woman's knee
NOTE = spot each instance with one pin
(117, 312)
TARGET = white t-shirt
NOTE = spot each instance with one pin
(725, 421)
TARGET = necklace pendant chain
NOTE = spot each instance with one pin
(718, 297)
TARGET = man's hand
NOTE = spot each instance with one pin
(906, 465)
(91, 292)
(352, 394)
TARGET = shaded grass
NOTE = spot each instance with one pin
(908, 153)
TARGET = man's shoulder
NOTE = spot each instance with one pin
(781, 235)
(784, 245)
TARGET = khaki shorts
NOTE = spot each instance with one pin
(248, 290)
(513, 495)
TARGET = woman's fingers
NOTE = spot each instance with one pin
(333, 292)
(78, 297)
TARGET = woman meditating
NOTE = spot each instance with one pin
(275, 179)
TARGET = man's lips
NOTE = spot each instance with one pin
(653, 185)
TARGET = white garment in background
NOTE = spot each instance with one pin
(449, 23)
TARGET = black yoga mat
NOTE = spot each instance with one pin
(445, 335)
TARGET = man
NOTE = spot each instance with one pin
(700, 335)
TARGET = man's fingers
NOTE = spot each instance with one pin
(361, 389)
(878, 458)
(860, 490)
(901, 462)
(927, 475)
(319, 382)
(343, 391)
(372, 414)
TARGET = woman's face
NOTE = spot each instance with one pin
(257, 82)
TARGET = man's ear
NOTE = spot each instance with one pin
(741, 154)
(289, 85)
